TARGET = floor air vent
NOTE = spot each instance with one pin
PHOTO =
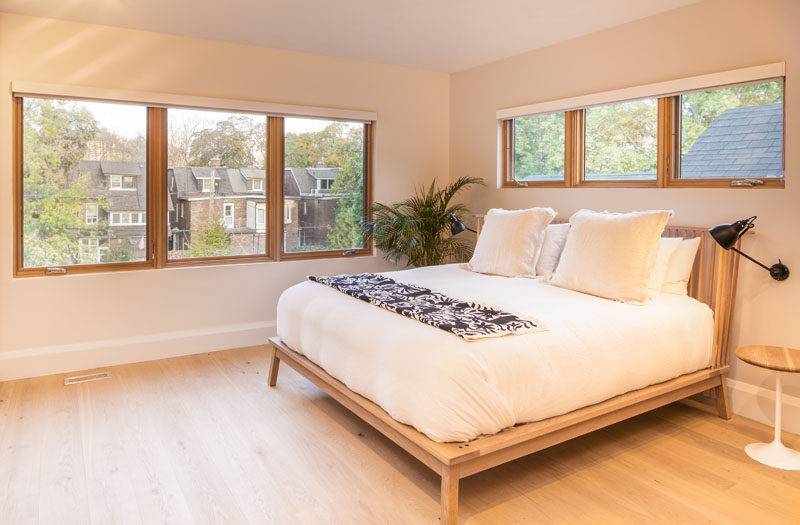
(85, 379)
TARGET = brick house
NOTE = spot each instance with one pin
(238, 198)
(309, 207)
(115, 210)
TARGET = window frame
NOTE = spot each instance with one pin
(94, 216)
(668, 149)
(369, 130)
(225, 207)
(156, 234)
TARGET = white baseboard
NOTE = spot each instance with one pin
(46, 360)
(758, 403)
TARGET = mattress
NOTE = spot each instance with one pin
(456, 390)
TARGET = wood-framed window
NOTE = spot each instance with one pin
(168, 188)
(327, 181)
(726, 135)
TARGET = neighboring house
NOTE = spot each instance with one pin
(740, 143)
(309, 208)
(115, 212)
(238, 200)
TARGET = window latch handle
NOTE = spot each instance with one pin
(55, 271)
(348, 252)
(746, 183)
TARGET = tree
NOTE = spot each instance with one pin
(539, 146)
(698, 110)
(56, 134)
(349, 187)
(622, 138)
(238, 142)
(210, 239)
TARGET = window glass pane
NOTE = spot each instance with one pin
(539, 147)
(621, 141)
(73, 153)
(734, 132)
(323, 216)
(229, 149)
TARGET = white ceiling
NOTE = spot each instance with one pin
(441, 35)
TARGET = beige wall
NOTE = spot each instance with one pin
(126, 312)
(711, 36)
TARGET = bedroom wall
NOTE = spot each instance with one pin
(711, 36)
(67, 323)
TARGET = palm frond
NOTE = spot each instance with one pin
(418, 227)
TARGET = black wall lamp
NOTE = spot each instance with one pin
(726, 236)
(456, 226)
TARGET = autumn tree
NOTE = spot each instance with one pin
(238, 142)
(56, 134)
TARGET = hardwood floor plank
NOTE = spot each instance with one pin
(204, 439)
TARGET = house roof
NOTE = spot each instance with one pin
(118, 200)
(740, 143)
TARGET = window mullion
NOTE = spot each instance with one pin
(157, 209)
(275, 161)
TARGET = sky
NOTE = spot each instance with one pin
(129, 121)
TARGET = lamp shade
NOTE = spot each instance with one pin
(456, 226)
(726, 235)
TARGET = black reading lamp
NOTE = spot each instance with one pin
(456, 226)
(726, 236)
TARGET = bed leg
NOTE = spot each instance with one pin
(449, 496)
(274, 364)
(723, 405)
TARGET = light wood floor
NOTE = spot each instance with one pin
(202, 439)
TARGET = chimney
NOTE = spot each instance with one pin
(215, 163)
(321, 162)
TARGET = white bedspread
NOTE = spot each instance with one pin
(455, 390)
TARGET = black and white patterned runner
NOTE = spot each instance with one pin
(465, 319)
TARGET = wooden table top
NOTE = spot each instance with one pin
(772, 357)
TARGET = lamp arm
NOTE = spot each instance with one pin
(471, 230)
(748, 257)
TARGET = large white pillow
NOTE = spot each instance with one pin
(666, 247)
(611, 254)
(510, 241)
(555, 236)
(679, 269)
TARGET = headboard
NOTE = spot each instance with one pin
(713, 282)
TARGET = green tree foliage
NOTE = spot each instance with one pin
(56, 135)
(622, 138)
(211, 239)
(238, 142)
(341, 146)
(698, 110)
(121, 252)
(539, 147)
(418, 228)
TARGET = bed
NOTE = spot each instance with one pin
(462, 407)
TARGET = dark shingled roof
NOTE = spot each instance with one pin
(740, 143)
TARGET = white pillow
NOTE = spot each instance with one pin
(510, 241)
(611, 254)
(666, 247)
(555, 235)
(679, 269)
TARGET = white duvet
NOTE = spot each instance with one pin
(456, 390)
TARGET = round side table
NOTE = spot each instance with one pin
(782, 359)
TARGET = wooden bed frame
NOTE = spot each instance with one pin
(713, 282)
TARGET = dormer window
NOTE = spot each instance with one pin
(205, 185)
(324, 184)
(257, 185)
(122, 182)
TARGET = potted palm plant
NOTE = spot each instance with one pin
(418, 228)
